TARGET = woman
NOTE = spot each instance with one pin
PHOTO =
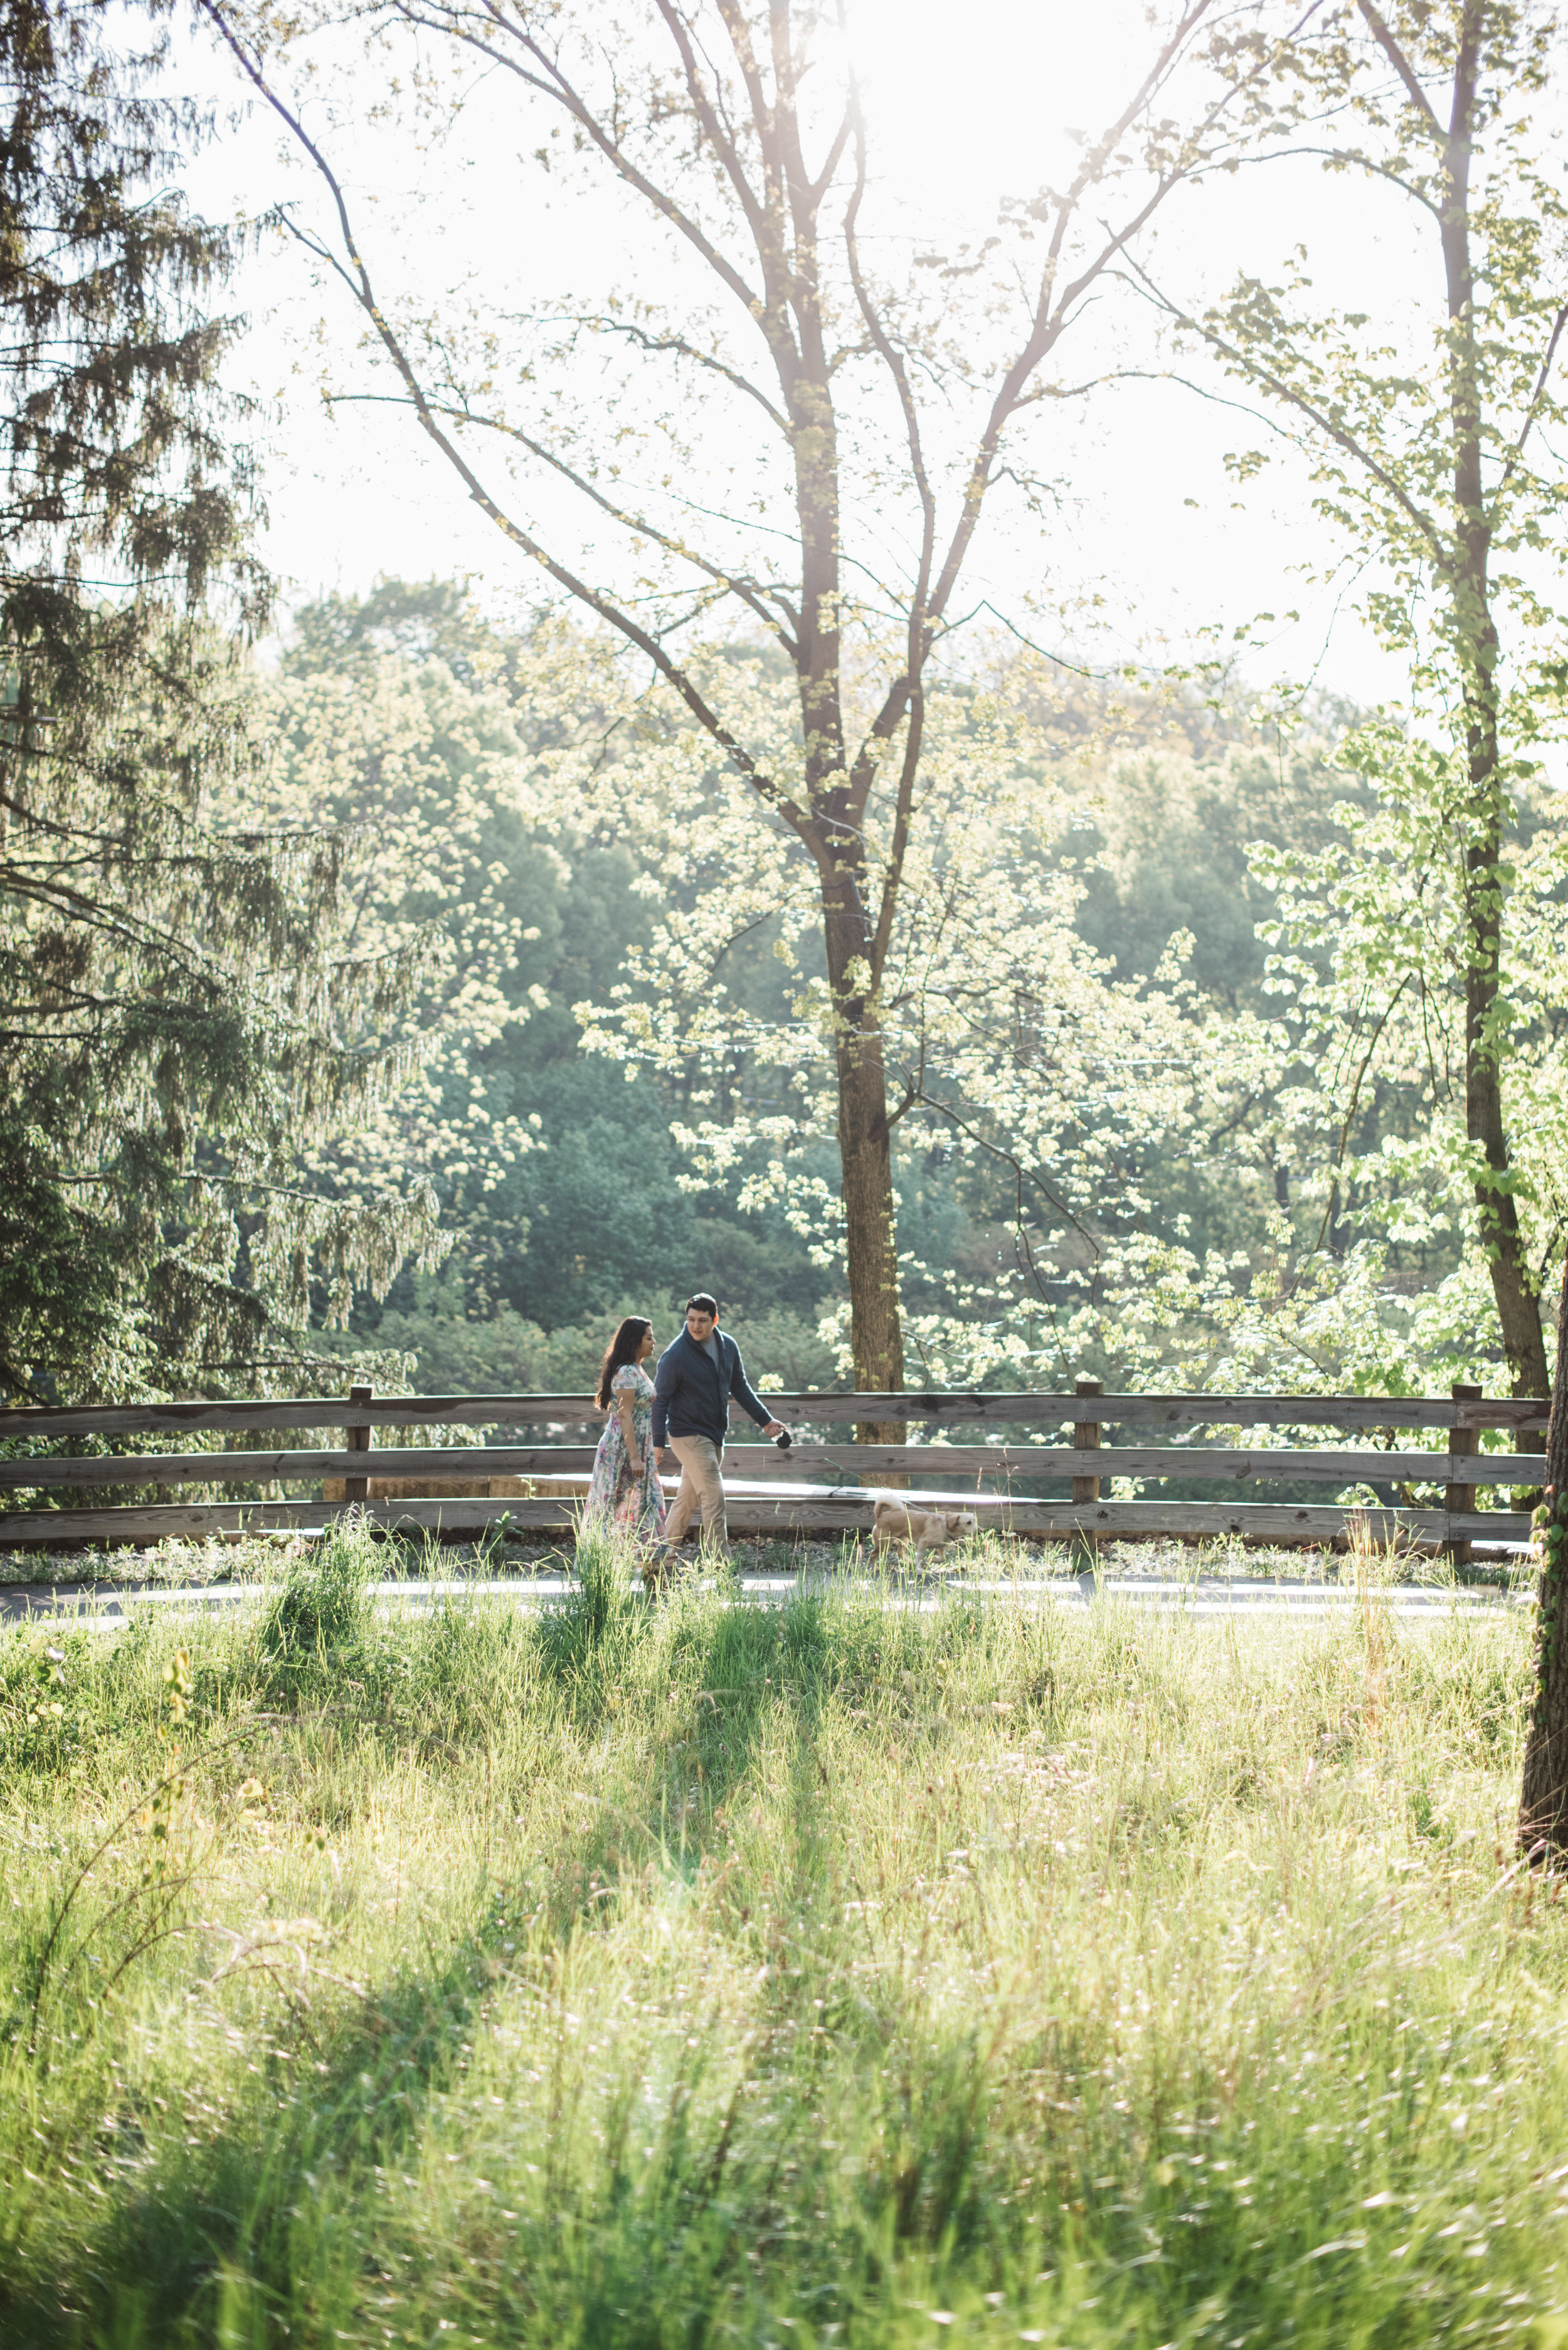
(624, 1491)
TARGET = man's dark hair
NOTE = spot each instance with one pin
(703, 1304)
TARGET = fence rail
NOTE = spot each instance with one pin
(1371, 1413)
(992, 1463)
(463, 1488)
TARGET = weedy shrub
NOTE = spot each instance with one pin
(323, 1606)
(604, 1564)
(587, 1639)
(858, 1970)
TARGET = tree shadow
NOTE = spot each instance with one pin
(265, 2228)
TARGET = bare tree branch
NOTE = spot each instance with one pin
(392, 344)
(733, 583)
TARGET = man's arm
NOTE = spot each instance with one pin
(666, 1381)
(741, 1389)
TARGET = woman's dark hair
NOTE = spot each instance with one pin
(624, 1348)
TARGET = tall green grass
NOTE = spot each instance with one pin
(686, 1974)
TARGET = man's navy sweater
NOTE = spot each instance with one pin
(691, 1393)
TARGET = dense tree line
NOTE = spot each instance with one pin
(411, 716)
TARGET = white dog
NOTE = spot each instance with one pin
(895, 1520)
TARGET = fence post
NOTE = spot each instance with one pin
(357, 1439)
(1086, 1439)
(1462, 1497)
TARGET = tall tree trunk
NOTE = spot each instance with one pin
(1543, 1793)
(835, 835)
(1476, 645)
(1517, 1303)
(865, 1142)
(869, 1231)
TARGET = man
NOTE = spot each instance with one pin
(698, 1374)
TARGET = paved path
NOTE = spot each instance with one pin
(109, 1606)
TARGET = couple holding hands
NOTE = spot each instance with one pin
(685, 1409)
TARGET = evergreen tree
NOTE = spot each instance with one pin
(178, 1020)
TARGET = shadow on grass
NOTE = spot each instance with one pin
(293, 2217)
(265, 2230)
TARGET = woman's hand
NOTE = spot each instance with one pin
(636, 1466)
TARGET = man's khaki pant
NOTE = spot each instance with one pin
(701, 1486)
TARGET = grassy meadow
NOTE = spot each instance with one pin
(685, 1974)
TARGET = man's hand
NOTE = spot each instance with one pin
(661, 1455)
(775, 1427)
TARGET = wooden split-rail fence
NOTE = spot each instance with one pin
(817, 1486)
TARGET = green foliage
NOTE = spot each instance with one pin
(1172, 846)
(177, 1048)
(500, 1353)
(181, 1014)
(1428, 421)
(321, 1610)
(836, 1971)
(59, 1263)
(409, 717)
(574, 1197)
(1248, 1230)
(597, 1214)
(1014, 1050)
(114, 444)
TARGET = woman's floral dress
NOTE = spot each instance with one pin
(617, 1495)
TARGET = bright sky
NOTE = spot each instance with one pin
(1147, 518)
